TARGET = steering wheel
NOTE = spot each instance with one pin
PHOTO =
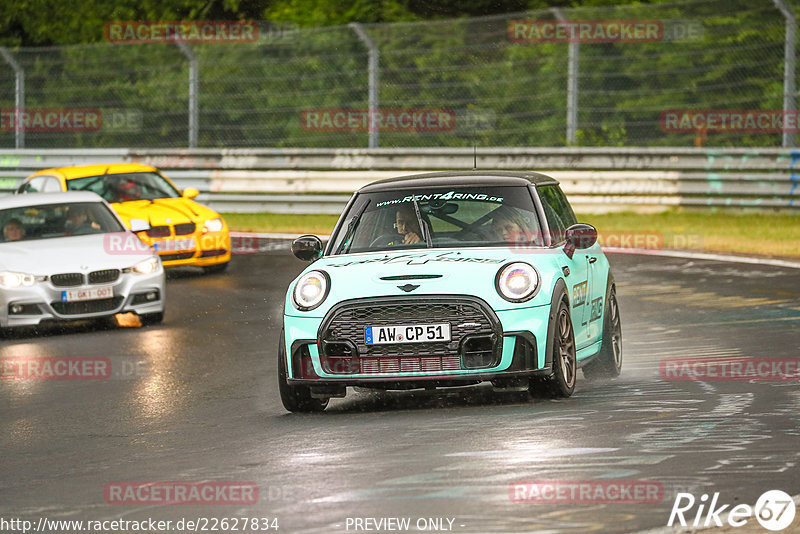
(384, 240)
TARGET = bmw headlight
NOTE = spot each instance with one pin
(213, 225)
(311, 290)
(517, 282)
(148, 266)
(11, 279)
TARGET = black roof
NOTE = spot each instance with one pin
(459, 178)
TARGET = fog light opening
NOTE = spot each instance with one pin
(477, 351)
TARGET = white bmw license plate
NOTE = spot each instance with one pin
(415, 333)
(92, 293)
(174, 244)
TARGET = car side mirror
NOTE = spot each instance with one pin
(307, 248)
(138, 225)
(579, 236)
(190, 192)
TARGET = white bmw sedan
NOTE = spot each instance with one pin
(67, 256)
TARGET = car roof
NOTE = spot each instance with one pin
(38, 199)
(459, 178)
(81, 171)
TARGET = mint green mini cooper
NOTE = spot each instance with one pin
(450, 279)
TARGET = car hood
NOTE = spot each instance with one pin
(441, 272)
(164, 211)
(68, 254)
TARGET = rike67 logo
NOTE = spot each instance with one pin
(774, 510)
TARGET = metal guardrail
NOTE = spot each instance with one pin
(321, 180)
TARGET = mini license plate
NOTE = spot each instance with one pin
(91, 293)
(415, 333)
(174, 245)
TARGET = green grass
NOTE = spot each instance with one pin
(742, 233)
(281, 223)
(714, 231)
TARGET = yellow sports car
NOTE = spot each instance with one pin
(181, 231)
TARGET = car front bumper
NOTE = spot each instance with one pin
(210, 249)
(42, 302)
(501, 347)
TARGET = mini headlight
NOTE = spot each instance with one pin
(213, 225)
(311, 290)
(11, 280)
(148, 266)
(517, 282)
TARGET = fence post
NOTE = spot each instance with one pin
(572, 84)
(19, 97)
(788, 67)
(193, 92)
(374, 55)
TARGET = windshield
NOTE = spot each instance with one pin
(126, 187)
(49, 221)
(448, 217)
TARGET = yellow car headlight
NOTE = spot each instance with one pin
(213, 225)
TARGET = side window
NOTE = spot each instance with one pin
(51, 185)
(557, 210)
(34, 186)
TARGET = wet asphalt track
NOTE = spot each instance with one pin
(205, 407)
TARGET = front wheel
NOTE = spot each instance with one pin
(608, 362)
(561, 382)
(295, 398)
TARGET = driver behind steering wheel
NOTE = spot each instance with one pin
(407, 230)
(407, 227)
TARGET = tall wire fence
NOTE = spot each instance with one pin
(490, 81)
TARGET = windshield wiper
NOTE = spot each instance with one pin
(421, 223)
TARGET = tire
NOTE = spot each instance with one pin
(608, 362)
(218, 268)
(151, 318)
(564, 368)
(296, 399)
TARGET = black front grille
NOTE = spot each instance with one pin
(67, 279)
(184, 229)
(178, 256)
(158, 231)
(213, 253)
(466, 316)
(87, 306)
(104, 277)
